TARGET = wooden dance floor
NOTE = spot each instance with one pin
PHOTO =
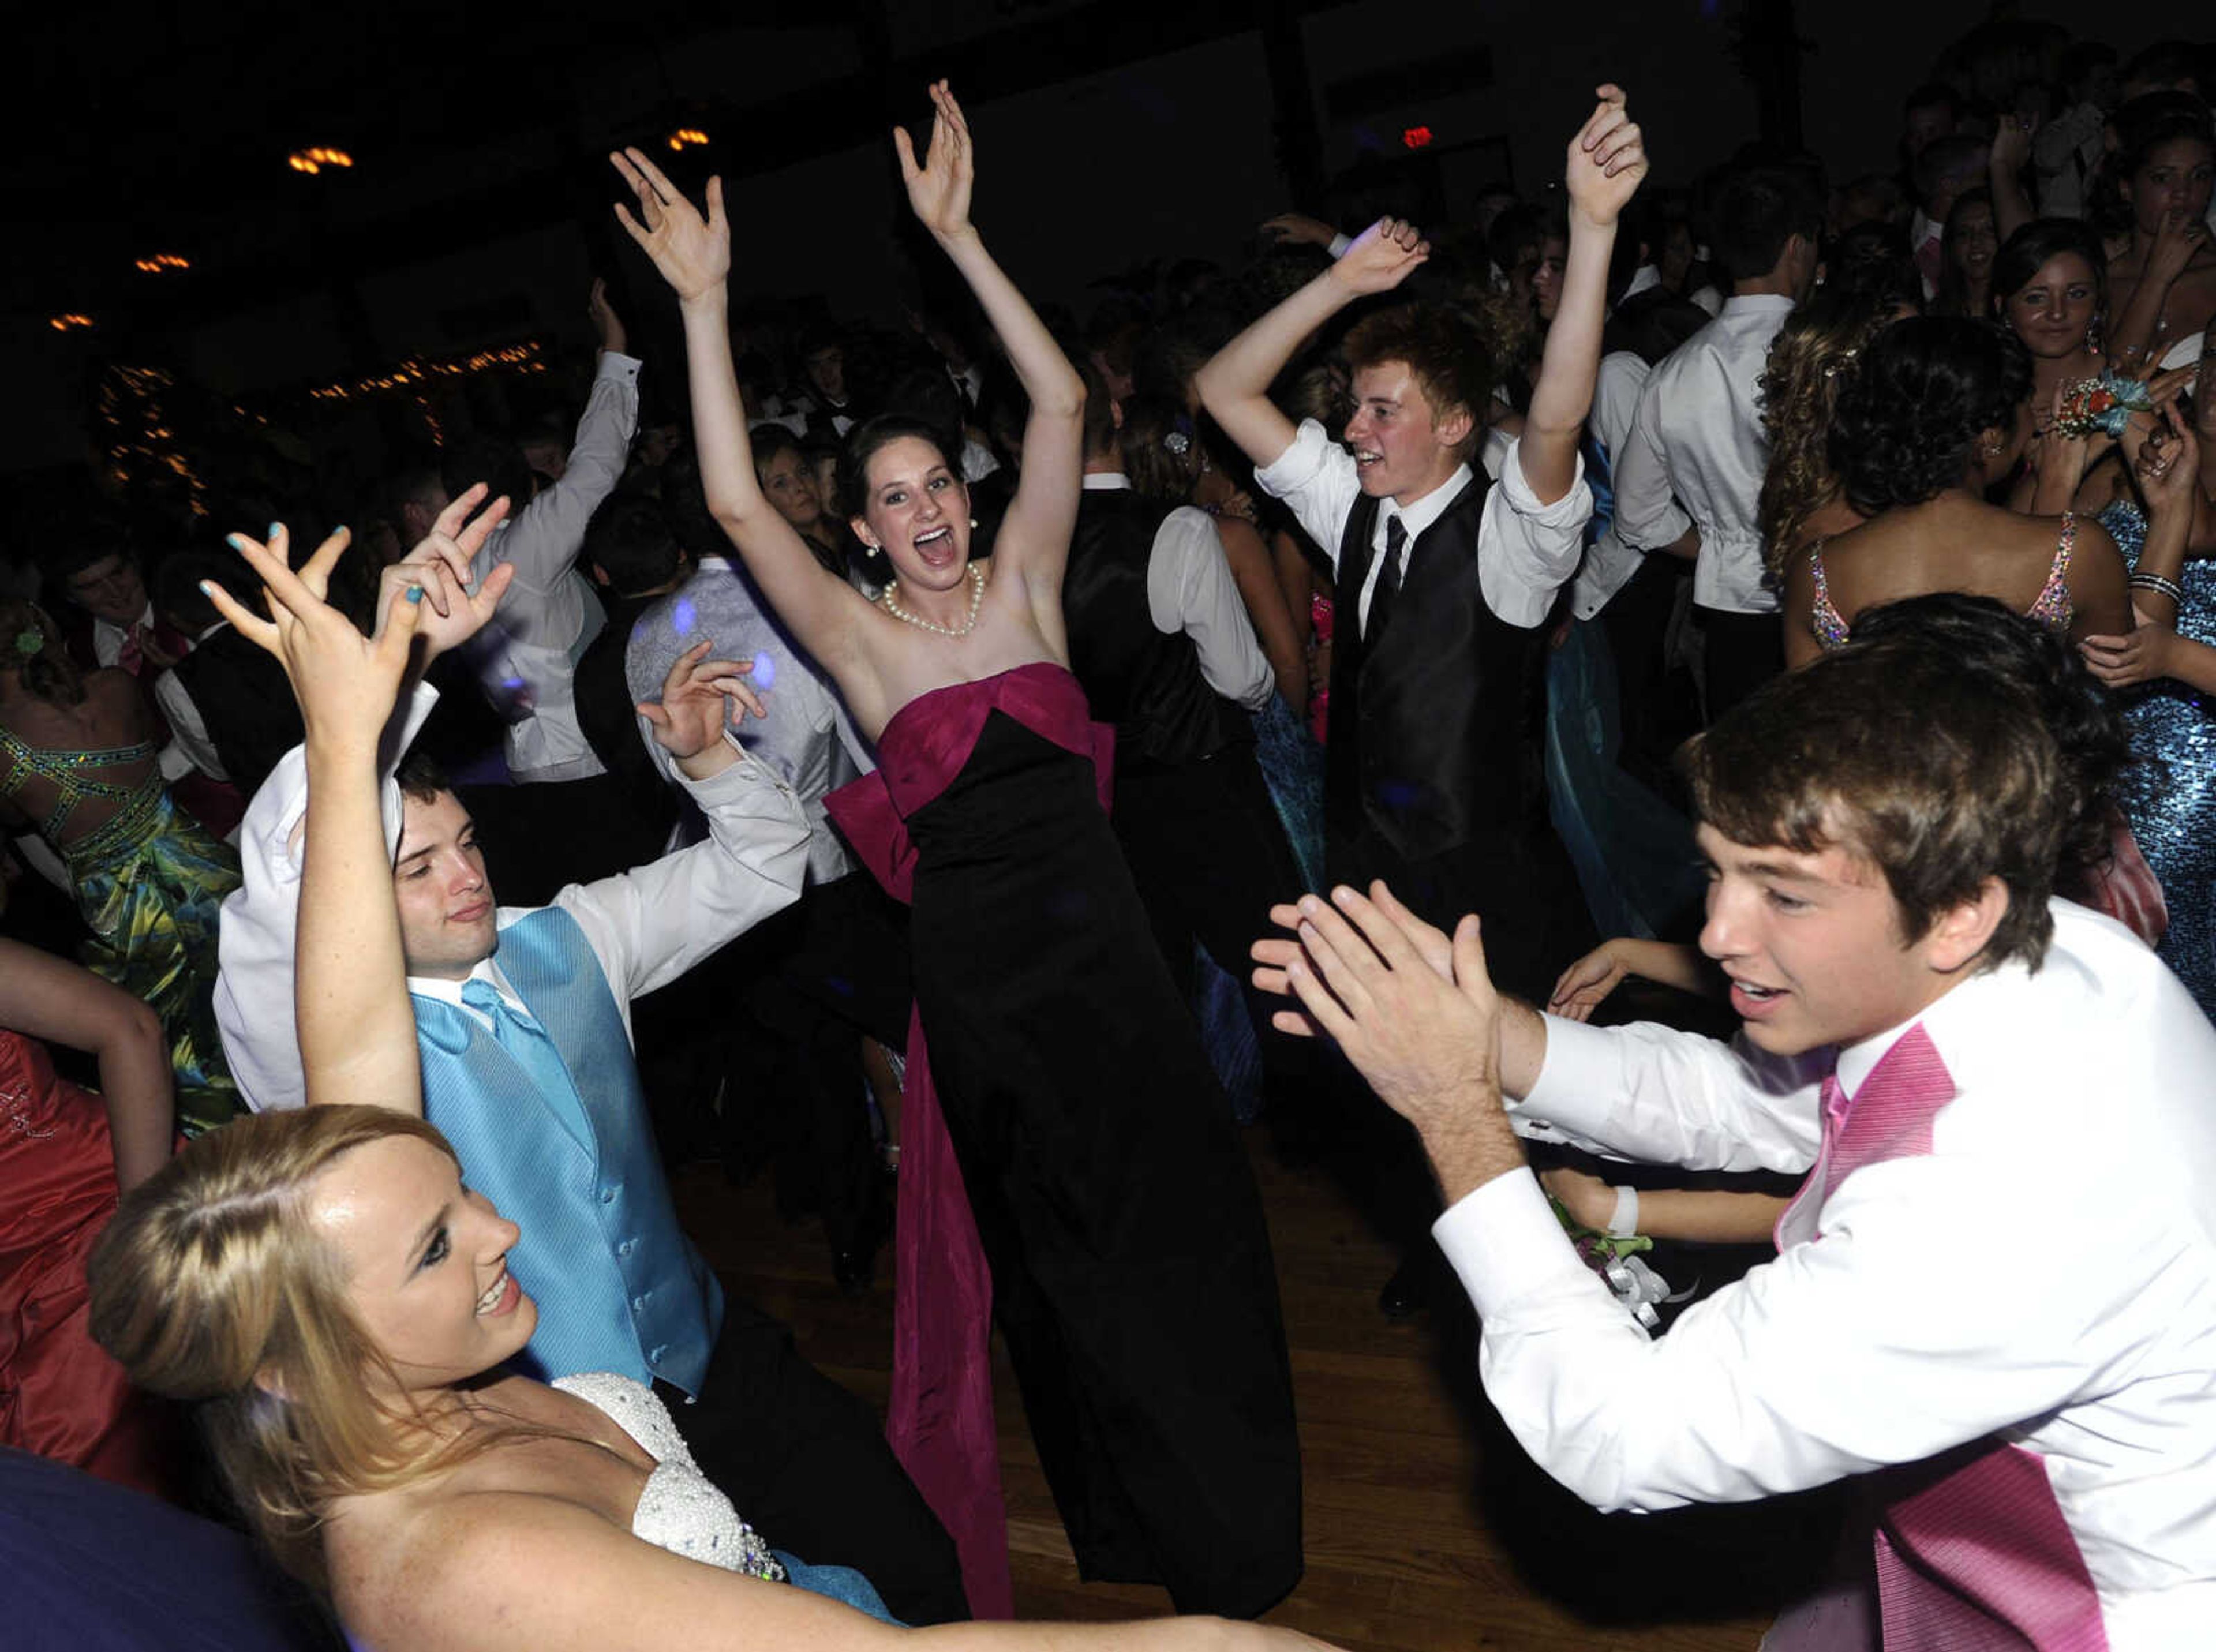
(1427, 1528)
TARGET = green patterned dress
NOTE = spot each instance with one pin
(150, 883)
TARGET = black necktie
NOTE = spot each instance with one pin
(1389, 578)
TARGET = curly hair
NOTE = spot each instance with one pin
(1798, 388)
(1911, 408)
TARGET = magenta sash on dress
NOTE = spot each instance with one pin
(939, 1422)
(1972, 1552)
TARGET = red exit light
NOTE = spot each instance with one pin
(1416, 138)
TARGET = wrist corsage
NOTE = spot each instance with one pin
(2101, 406)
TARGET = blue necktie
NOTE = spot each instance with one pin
(533, 1051)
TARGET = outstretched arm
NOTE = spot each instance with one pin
(693, 254)
(357, 1029)
(1034, 537)
(1607, 162)
(1235, 386)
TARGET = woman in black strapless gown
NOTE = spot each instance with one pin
(1064, 1087)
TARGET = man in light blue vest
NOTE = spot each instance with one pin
(523, 1025)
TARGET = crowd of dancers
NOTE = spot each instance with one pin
(1465, 670)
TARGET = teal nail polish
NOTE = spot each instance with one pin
(235, 541)
(414, 594)
(274, 528)
(208, 587)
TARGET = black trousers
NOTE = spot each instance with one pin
(1522, 885)
(1744, 651)
(806, 1464)
(817, 977)
(1210, 857)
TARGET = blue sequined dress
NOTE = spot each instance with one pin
(2170, 799)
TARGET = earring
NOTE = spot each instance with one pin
(972, 521)
(2093, 335)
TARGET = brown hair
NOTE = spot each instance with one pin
(48, 672)
(1445, 348)
(1941, 775)
(212, 1285)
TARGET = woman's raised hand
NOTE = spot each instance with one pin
(440, 567)
(345, 682)
(692, 253)
(938, 190)
(1608, 159)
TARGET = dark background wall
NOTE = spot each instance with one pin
(477, 210)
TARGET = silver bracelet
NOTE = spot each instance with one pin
(2160, 586)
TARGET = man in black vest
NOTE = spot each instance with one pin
(1161, 642)
(1433, 780)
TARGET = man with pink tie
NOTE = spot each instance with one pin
(1997, 1286)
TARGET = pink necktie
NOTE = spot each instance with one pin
(1972, 1552)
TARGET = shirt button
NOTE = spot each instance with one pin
(626, 1247)
(608, 1195)
(639, 1302)
(654, 1354)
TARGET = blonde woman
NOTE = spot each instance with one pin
(338, 1305)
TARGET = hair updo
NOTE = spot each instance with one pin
(863, 443)
(31, 642)
(1913, 406)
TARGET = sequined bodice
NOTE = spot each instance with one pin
(680, 1509)
(2052, 607)
(73, 776)
(2169, 797)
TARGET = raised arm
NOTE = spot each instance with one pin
(1235, 386)
(1606, 162)
(1034, 537)
(357, 1029)
(693, 254)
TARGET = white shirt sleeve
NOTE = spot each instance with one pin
(1316, 477)
(188, 732)
(1646, 514)
(1527, 551)
(545, 605)
(1648, 1092)
(650, 925)
(259, 932)
(1892, 1337)
(1191, 588)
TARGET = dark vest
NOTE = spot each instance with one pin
(1146, 683)
(1435, 721)
(242, 696)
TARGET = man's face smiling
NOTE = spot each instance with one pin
(449, 922)
(1813, 945)
(1402, 449)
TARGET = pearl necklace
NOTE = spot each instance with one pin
(976, 599)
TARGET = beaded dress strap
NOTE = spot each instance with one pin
(2054, 607)
(1823, 617)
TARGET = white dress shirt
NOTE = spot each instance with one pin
(1698, 435)
(2046, 1274)
(1609, 562)
(647, 927)
(807, 741)
(549, 613)
(1525, 550)
(1191, 588)
(108, 637)
(190, 746)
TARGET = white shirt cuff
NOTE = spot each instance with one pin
(615, 365)
(1507, 1246)
(1569, 511)
(1340, 242)
(1299, 464)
